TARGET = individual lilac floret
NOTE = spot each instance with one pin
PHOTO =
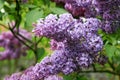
(69, 66)
(93, 43)
(91, 25)
(56, 45)
(84, 60)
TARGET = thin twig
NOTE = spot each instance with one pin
(24, 38)
(39, 40)
(35, 50)
(94, 68)
(4, 26)
(18, 16)
(111, 65)
(20, 39)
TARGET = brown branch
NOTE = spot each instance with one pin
(39, 40)
(4, 26)
(111, 65)
(24, 38)
(20, 39)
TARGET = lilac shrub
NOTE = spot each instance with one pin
(75, 43)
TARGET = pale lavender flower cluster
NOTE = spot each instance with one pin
(108, 10)
(13, 48)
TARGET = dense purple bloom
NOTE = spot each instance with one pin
(28, 74)
(53, 27)
(93, 43)
(108, 10)
(15, 76)
(75, 43)
(65, 27)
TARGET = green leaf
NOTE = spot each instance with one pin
(1, 3)
(68, 77)
(110, 50)
(30, 54)
(29, 6)
(46, 2)
(33, 16)
(1, 14)
(81, 77)
(45, 42)
(58, 10)
(40, 54)
(38, 2)
(116, 58)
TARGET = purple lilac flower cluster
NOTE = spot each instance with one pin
(108, 10)
(75, 43)
(29, 74)
(79, 7)
(13, 47)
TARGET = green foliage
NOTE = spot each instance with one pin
(40, 54)
(118, 68)
(1, 4)
(58, 10)
(1, 14)
(110, 50)
(32, 16)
